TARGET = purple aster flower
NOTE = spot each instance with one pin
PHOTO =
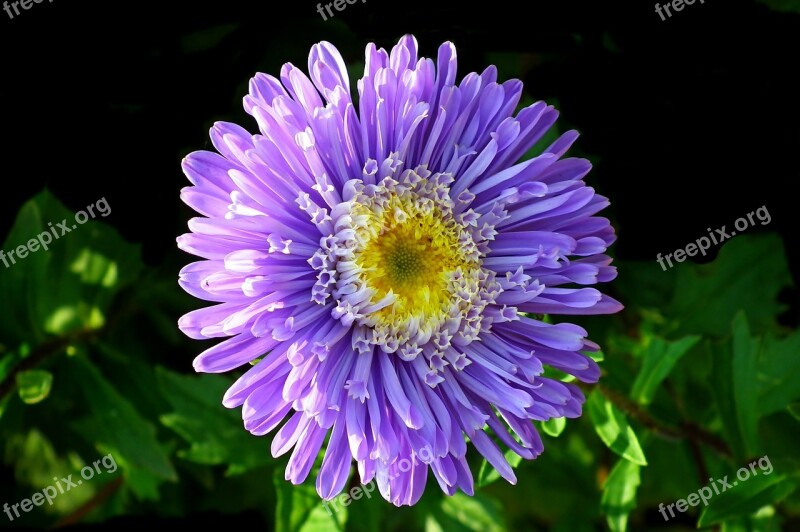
(384, 259)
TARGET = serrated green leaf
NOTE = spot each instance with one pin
(143, 483)
(708, 296)
(745, 498)
(117, 425)
(660, 358)
(613, 428)
(619, 494)
(34, 385)
(215, 433)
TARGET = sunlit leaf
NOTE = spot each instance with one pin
(34, 385)
(555, 426)
(619, 494)
(66, 280)
(463, 513)
(613, 428)
(36, 462)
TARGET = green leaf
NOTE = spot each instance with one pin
(4, 405)
(69, 285)
(143, 483)
(660, 358)
(117, 425)
(619, 494)
(35, 462)
(613, 428)
(745, 363)
(215, 433)
(766, 519)
(783, 5)
(461, 513)
(300, 509)
(778, 373)
(745, 498)
(708, 296)
(735, 388)
(6, 363)
(369, 507)
(554, 426)
(34, 385)
(794, 409)
(489, 474)
(597, 356)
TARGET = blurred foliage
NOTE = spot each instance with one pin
(701, 379)
(783, 5)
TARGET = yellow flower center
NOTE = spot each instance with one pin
(410, 251)
(403, 264)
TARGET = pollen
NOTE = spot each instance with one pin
(412, 253)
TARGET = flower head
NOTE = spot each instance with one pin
(386, 258)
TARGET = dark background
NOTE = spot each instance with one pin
(691, 122)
